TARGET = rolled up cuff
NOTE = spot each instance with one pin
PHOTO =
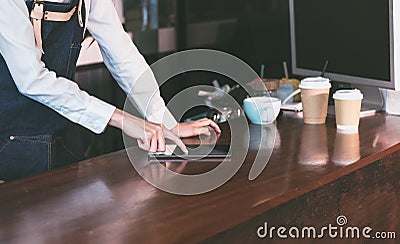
(97, 115)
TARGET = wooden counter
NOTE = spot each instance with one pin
(309, 181)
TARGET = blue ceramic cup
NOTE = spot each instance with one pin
(262, 110)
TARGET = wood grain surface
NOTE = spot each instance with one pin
(104, 200)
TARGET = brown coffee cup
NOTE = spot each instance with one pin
(314, 98)
(347, 110)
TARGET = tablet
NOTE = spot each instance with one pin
(173, 153)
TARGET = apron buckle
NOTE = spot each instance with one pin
(37, 11)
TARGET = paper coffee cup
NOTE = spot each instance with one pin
(314, 98)
(347, 110)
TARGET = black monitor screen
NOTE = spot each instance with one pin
(353, 35)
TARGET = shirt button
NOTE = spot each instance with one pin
(12, 138)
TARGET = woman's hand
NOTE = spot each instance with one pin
(150, 136)
(195, 128)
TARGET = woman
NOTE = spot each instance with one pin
(39, 46)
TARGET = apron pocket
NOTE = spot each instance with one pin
(22, 156)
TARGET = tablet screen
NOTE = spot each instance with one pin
(204, 152)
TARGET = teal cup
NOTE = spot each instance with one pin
(262, 110)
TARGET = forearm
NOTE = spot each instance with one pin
(150, 136)
(126, 64)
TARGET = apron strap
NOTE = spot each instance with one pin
(80, 13)
(38, 13)
(36, 18)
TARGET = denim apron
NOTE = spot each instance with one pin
(33, 138)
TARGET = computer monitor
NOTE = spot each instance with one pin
(360, 39)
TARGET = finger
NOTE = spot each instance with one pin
(200, 123)
(161, 141)
(168, 134)
(209, 122)
(153, 143)
(214, 126)
(203, 119)
(203, 131)
(148, 135)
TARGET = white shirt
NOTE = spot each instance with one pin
(23, 57)
(56, 1)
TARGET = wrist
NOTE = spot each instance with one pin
(175, 130)
(117, 118)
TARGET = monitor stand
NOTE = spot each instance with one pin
(372, 103)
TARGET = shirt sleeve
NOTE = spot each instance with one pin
(126, 64)
(23, 58)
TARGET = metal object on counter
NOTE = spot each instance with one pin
(224, 114)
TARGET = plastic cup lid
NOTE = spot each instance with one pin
(354, 94)
(315, 83)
